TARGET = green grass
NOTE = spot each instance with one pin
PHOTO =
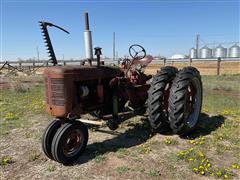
(223, 82)
(154, 173)
(221, 93)
(122, 169)
(100, 158)
(15, 107)
(34, 155)
(5, 161)
(123, 152)
(51, 168)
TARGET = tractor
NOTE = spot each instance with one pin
(172, 98)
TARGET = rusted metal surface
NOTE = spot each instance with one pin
(72, 144)
(62, 87)
(86, 21)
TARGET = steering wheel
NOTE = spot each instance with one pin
(137, 52)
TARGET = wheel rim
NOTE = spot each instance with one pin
(73, 143)
(193, 103)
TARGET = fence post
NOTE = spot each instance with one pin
(190, 62)
(218, 66)
(164, 61)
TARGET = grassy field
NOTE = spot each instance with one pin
(133, 151)
(206, 68)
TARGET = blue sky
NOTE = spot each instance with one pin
(162, 27)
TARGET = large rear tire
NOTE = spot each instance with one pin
(158, 95)
(185, 101)
(69, 142)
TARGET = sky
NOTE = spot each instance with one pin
(162, 27)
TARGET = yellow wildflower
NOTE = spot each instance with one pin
(225, 176)
(195, 169)
(200, 154)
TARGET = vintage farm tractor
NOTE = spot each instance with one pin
(172, 98)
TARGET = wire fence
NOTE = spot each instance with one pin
(218, 65)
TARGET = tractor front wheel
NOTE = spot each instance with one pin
(47, 137)
(69, 142)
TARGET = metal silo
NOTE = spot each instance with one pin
(205, 52)
(234, 51)
(193, 53)
(220, 51)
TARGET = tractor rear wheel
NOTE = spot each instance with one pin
(158, 97)
(47, 137)
(69, 142)
(185, 100)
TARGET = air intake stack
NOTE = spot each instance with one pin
(88, 39)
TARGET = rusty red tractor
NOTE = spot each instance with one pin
(172, 98)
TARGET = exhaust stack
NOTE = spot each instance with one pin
(88, 39)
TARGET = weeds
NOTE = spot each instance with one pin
(122, 169)
(198, 141)
(6, 160)
(201, 165)
(10, 116)
(51, 168)
(16, 106)
(170, 141)
(121, 153)
(34, 156)
(144, 149)
(100, 158)
(154, 173)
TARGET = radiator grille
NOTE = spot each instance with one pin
(46, 90)
(57, 92)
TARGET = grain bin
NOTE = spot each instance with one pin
(220, 51)
(205, 52)
(234, 51)
(193, 53)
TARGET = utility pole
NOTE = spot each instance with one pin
(197, 46)
(113, 46)
(37, 53)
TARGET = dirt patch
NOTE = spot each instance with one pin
(5, 83)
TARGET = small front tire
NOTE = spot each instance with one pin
(47, 137)
(69, 142)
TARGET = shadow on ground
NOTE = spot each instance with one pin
(138, 134)
(207, 124)
(141, 132)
